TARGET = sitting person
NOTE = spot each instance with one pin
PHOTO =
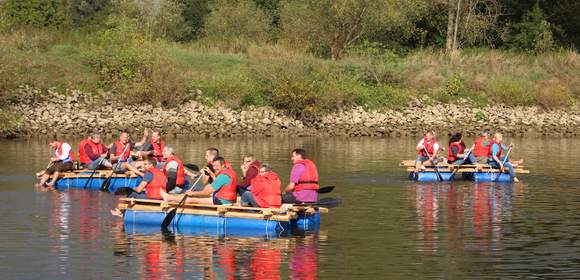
(223, 190)
(61, 161)
(153, 148)
(210, 155)
(153, 183)
(303, 186)
(93, 154)
(457, 154)
(264, 190)
(173, 169)
(250, 168)
(481, 147)
(496, 160)
(427, 150)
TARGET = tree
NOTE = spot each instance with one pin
(37, 13)
(335, 23)
(533, 33)
(471, 23)
(233, 20)
(83, 11)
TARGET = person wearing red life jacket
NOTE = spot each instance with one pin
(122, 153)
(61, 161)
(173, 169)
(210, 155)
(427, 150)
(223, 190)
(154, 181)
(303, 185)
(457, 154)
(250, 167)
(152, 148)
(494, 158)
(264, 190)
(481, 147)
(93, 154)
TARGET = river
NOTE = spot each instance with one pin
(386, 228)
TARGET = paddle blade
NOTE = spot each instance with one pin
(124, 191)
(191, 167)
(329, 202)
(168, 218)
(325, 189)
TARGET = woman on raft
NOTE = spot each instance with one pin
(457, 154)
(494, 158)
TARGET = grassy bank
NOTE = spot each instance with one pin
(121, 65)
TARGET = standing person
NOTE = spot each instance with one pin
(250, 168)
(154, 181)
(221, 192)
(93, 154)
(174, 171)
(496, 160)
(264, 190)
(457, 154)
(303, 185)
(481, 147)
(153, 148)
(427, 150)
(61, 161)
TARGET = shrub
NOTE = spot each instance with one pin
(10, 124)
(511, 91)
(533, 33)
(553, 95)
(232, 90)
(453, 86)
(36, 13)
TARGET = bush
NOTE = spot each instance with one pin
(511, 91)
(10, 124)
(553, 95)
(232, 90)
(532, 34)
(36, 13)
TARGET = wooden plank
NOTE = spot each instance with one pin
(411, 163)
(468, 170)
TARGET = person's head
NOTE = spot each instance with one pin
(168, 151)
(430, 135)
(150, 163)
(54, 143)
(218, 164)
(497, 137)
(265, 168)
(211, 154)
(248, 159)
(485, 135)
(95, 137)
(124, 137)
(455, 138)
(298, 154)
(155, 136)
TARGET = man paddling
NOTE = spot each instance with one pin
(60, 161)
(303, 185)
(427, 150)
(93, 154)
(173, 169)
(221, 192)
(122, 153)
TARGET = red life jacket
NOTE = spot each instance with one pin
(229, 191)
(98, 149)
(429, 145)
(180, 172)
(490, 149)
(453, 157)
(159, 181)
(58, 152)
(266, 190)
(158, 148)
(119, 150)
(480, 150)
(309, 179)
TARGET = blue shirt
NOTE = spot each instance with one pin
(220, 181)
(495, 148)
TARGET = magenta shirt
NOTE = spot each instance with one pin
(304, 195)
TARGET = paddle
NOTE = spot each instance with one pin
(324, 202)
(439, 178)
(191, 167)
(325, 189)
(466, 157)
(171, 214)
(503, 162)
(94, 171)
(106, 183)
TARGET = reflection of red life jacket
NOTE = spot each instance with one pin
(58, 152)
(266, 190)
(429, 145)
(229, 191)
(159, 181)
(98, 149)
(227, 261)
(453, 157)
(158, 148)
(303, 263)
(119, 150)
(309, 179)
(153, 260)
(180, 173)
(265, 264)
(480, 150)
(490, 150)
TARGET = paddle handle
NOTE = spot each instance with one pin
(506, 155)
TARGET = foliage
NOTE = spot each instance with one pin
(36, 13)
(532, 34)
(480, 116)
(453, 87)
(85, 11)
(511, 91)
(553, 95)
(194, 13)
(10, 124)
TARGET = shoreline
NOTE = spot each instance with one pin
(72, 114)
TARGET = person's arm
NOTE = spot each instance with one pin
(172, 173)
(113, 149)
(494, 151)
(435, 151)
(251, 173)
(219, 182)
(148, 177)
(89, 153)
(295, 174)
(143, 139)
(455, 151)
(419, 146)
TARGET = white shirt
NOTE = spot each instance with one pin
(435, 146)
(65, 147)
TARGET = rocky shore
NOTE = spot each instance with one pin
(75, 114)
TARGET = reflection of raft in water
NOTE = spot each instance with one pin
(447, 172)
(221, 219)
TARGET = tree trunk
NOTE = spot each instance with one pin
(450, 24)
(457, 18)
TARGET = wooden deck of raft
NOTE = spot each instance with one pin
(276, 214)
(466, 168)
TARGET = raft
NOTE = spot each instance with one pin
(447, 172)
(221, 219)
(81, 179)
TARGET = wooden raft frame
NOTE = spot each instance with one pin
(465, 168)
(227, 211)
(98, 174)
